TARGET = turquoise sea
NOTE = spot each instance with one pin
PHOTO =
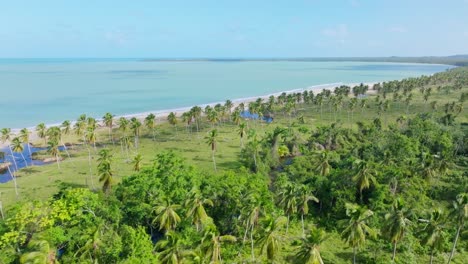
(53, 90)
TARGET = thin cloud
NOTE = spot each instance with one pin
(355, 3)
(116, 37)
(339, 31)
(398, 29)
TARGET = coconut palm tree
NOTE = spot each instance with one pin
(172, 119)
(236, 117)
(364, 176)
(17, 146)
(254, 146)
(212, 140)
(24, 136)
(41, 130)
(170, 249)
(104, 169)
(137, 162)
(196, 113)
(38, 251)
(357, 227)
(123, 125)
(135, 125)
(396, 224)
(166, 218)
(54, 133)
(150, 123)
(53, 149)
(228, 106)
(270, 238)
(252, 215)
(108, 119)
(212, 244)
(323, 162)
(433, 233)
(304, 197)
(195, 205)
(66, 127)
(288, 201)
(460, 215)
(241, 130)
(6, 136)
(309, 250)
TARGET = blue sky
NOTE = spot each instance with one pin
(234, 28)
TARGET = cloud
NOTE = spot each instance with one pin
(355, 3)
(116, 37)
(398, 29)
(339, 32)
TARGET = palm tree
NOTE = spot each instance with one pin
(195, 205)
(304, 196)
(53, 149)
(108, 119)
(309, 251)
(323, 162)
(212, 243)
(433, 232)
(196, 113)
(150, 123)
(364, 176)
(41, 132)
(288, 201)
(90, 134)
(172, 119)
(17, 146)
(123, 125)
(104, 169)
(38, 251)
(236, 117)
(357, 228)
(270, 238)
(166, 216)
(6, 136)
(241, 130)
(137, 162)
(396, 224)
(460, 215)
(211, 140)
(228, 105)
(24, 136)
(66, 127)
(170, 249)
(54, 133)
(135, 125)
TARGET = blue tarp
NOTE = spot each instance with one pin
(247, 114)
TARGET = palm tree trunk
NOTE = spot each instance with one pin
(354, 255)
(214, 161)
(13, 158)
(394, 251)
(287, 225)
(14, 180)
(30, 153)
(252, 242)
(24, 159)
(110, 136)
(65, 148)
(432, 257)
(454, 244)
(302, 220)
(58, 160)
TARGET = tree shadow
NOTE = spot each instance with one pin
(229, 164)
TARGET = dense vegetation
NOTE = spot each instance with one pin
(338, 177)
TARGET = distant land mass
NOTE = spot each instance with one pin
(456, 60)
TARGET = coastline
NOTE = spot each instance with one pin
(161, 115)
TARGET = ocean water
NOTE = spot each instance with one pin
(54, 90)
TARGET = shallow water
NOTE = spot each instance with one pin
(53, 90)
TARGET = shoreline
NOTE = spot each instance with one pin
(161, 115)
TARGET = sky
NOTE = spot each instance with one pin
(232, 28)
